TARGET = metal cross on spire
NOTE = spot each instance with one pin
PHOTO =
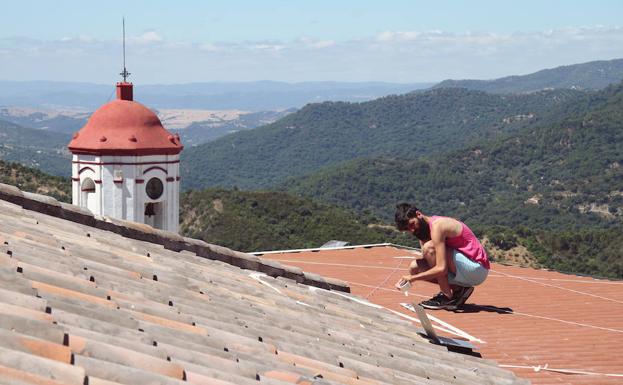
(125, 72)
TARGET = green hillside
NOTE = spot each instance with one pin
(41, 149)
(266, 220)
(33, 180)
(320, 135)
(593, 75)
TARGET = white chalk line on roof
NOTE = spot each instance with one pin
(446, 327)
(333, 264)
(497, 274)
(564, 321)
(368, 246)
(389, 276)
(513, 312)
(385, 289)
(559, 287)
(587, 281)
(451, 330)
(546, 367)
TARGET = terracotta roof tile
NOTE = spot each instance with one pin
(524, 317)
(43, 367)
(103, 305)
(36, 346)
(196, 378)
(22, 377)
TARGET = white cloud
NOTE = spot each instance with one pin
(316, 44)
(267, 47)
(78, 39)
(402, 56)
(148, 37)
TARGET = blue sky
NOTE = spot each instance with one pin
(399, 41)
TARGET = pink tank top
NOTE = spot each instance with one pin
(466, 243)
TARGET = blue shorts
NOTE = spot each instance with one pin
(468, 272)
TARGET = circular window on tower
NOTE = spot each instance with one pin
(154, 188)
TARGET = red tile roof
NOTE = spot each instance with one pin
(92, 300)
(525, 318)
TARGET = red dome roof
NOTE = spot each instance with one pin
(124, 127)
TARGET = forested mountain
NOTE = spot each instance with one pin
(593, 75)
(33, 180)
(267, 220)
(409, 125)
(40, 149)
(574, 165)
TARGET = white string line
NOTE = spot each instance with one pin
(524, 314)
(591, 282)
(385, 280)
(559, 287)
(373, 305)
(538, 368)
(563, 321)
(513, 312)
(501, 275)
(333, 264)
(386, 289)
(258, 277)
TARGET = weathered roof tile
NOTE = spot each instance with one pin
(43, 367)
(119, 309)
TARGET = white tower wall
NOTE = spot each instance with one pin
(118, 187)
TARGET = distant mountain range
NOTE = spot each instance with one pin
(194, 126)
(272, 95)
(205, 131)
(593, 75)
(320, 135)
(248, 96)
(63, 121)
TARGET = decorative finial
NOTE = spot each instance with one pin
(125, 72)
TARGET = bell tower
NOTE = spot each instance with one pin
(125, 164)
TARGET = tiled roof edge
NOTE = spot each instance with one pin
(171, 241)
